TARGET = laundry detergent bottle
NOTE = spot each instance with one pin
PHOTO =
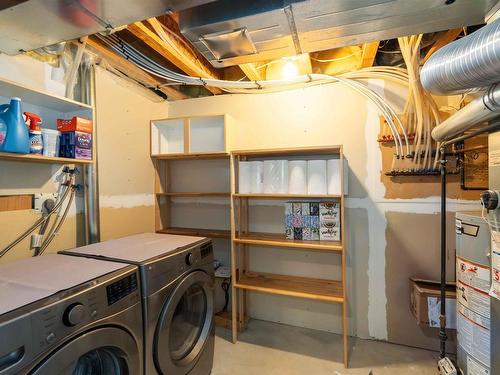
(17, 137)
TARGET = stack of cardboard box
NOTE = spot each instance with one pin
(312, 221)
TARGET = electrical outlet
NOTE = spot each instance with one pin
(40, 198)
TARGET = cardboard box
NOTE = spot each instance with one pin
(329, 231)
(329, 211)
(423, 296)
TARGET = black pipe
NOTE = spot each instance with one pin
(442, 319)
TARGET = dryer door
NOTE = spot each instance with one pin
(185, 324)
(104, 351)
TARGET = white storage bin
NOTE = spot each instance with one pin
(207, 134)
(50, 139)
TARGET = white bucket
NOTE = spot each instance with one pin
(50, 140)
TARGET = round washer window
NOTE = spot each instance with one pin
(102, 361)
(187, 322)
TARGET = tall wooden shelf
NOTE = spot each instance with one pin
(333, 291)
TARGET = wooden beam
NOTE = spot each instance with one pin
(174, 50)
(368, 54)
(251, 71)
(443, 40)
(132, 70)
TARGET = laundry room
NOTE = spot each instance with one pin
(249, 187)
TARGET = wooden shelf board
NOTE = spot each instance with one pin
(41, 159)
(289, 151)
(285, 196)
(39, 98)
(200, 232)
(195, 194)
(200, 156)
(279, 240)
(293, 286)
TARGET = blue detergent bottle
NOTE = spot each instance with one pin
(17, 137)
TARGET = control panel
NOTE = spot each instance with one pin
(121, 288)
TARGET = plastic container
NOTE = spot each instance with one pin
(50, 142)
(17, 137)
(3, 132)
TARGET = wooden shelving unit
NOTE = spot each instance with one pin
(333, 291)
(211, 233)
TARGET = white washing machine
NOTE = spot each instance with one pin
(177, 279)
(62, 315)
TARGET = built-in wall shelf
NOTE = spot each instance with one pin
(32, 158)
(285, 196)
(200, 232)
(293, 286)
(279, 240)
(188, 156)
(195, 135)
(40, 98)
(194, 194)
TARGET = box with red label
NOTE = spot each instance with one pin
(76, 124)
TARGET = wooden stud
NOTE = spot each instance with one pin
(447, 37)
(251, 71)
(132, 70)
(174, 51)
(368, 54)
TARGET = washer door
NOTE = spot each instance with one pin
(184, 325)
(104, 351)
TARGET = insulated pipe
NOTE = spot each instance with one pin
(480, 109)
(465, 64)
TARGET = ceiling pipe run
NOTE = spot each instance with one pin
(461, 66)
(465, 64)
(480, 109)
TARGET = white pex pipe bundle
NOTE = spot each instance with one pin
(463, 65)
(130, 53)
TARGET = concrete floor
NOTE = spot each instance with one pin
(273, 349)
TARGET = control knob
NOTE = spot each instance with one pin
(189, 259)
(74, 314)
(489, 199)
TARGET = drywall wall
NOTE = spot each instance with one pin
(126, 174)
(326, 115)
(26, 178)
(123, 111)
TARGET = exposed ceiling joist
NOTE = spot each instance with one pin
(443, 40)
(251, 71)
(174, 50)
(368, 54)
(132, 70)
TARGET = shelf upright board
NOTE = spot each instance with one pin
(333, 291)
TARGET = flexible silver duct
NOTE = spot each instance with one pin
(465, 64)
(480, 109)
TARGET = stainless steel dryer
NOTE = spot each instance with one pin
(62, 315)
(177, 279)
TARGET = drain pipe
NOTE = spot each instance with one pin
(90, 171)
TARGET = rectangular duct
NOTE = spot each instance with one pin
(280, 28)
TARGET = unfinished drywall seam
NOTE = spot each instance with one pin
(126, 200)
(377, 300)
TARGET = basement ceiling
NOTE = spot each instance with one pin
(26, 25)
(270, 29)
